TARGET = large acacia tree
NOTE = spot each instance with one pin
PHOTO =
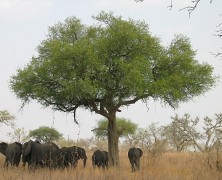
(109, 65)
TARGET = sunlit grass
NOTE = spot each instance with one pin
(170, 166)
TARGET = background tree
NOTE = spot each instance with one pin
(132, 140)
(107, 66)
(18, 135)
(212, 131)
(153, 141)
(86, 143)
(181, 133)
(45, 134)
(124, 128)
(6, 118)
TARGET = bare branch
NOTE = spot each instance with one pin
(101, 129)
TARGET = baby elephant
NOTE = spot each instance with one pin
(134, 155)
(100, 158)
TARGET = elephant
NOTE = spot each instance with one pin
(72, 154)
(100, 158)
(12, 153)
(134, 155)
(82, 155)
(43, 155)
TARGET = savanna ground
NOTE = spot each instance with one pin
(169, 166)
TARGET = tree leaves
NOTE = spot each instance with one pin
(108, 65)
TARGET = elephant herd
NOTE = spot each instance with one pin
(37, 154)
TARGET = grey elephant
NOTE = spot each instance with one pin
(100, 159)
(12, 153)
(41, 155)
(72, 154)
(134, 155)
(82, 155)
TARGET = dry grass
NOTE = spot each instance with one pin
(171, 166)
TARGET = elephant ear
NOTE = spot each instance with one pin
(28, 148)
(141, 152)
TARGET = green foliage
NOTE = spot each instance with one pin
(113, 64)
(6, 118)
(124, 128)
(45, 134)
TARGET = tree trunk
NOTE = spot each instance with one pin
(113, 142)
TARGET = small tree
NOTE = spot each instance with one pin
(124, 128)
(45, 134)
(132, 140)
(6, 118)
(153, 141)
(18, 135)
(211, 139)
(181, 133)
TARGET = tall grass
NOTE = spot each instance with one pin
(170, 166)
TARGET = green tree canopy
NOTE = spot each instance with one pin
(124, 128)
(45, 134)
(109, 65)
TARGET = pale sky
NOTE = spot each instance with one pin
(24, 24)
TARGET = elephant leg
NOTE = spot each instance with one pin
(84, 162)
(106, 164)
(132, 165)
(6, 163)
(94, 164)
(75, 163)
(137, 163)
(103, 165)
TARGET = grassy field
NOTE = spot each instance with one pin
(170, 166)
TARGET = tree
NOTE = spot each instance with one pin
(152, 139)
(104, 67)
(6, 118)
(212, 131)
(45, 134)
(181, 133)
(18, 135)
(124, 128)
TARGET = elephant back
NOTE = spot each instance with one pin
(99, 158)
(13, 153)
(134, 153)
